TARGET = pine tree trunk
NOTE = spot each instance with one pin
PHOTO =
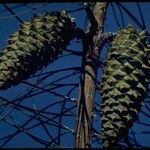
(89, 68)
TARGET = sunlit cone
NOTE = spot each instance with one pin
(36, 44)
(124, 84)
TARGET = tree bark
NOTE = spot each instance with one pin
(85, 106)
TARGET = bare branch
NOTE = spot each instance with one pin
(89, 73)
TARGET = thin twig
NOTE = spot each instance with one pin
(13, 13)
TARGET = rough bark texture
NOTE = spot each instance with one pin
(36, 44)
(85, 110)
(124, 84)
(87, 85)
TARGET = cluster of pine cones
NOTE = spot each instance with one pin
(125, 78)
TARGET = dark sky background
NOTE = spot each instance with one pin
(55, 123)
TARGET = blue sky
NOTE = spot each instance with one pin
(19, 115)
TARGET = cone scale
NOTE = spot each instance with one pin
(36, 44)
(124, 84)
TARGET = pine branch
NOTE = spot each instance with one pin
(88, 75)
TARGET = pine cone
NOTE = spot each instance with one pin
(36, 44)
(124, 84)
